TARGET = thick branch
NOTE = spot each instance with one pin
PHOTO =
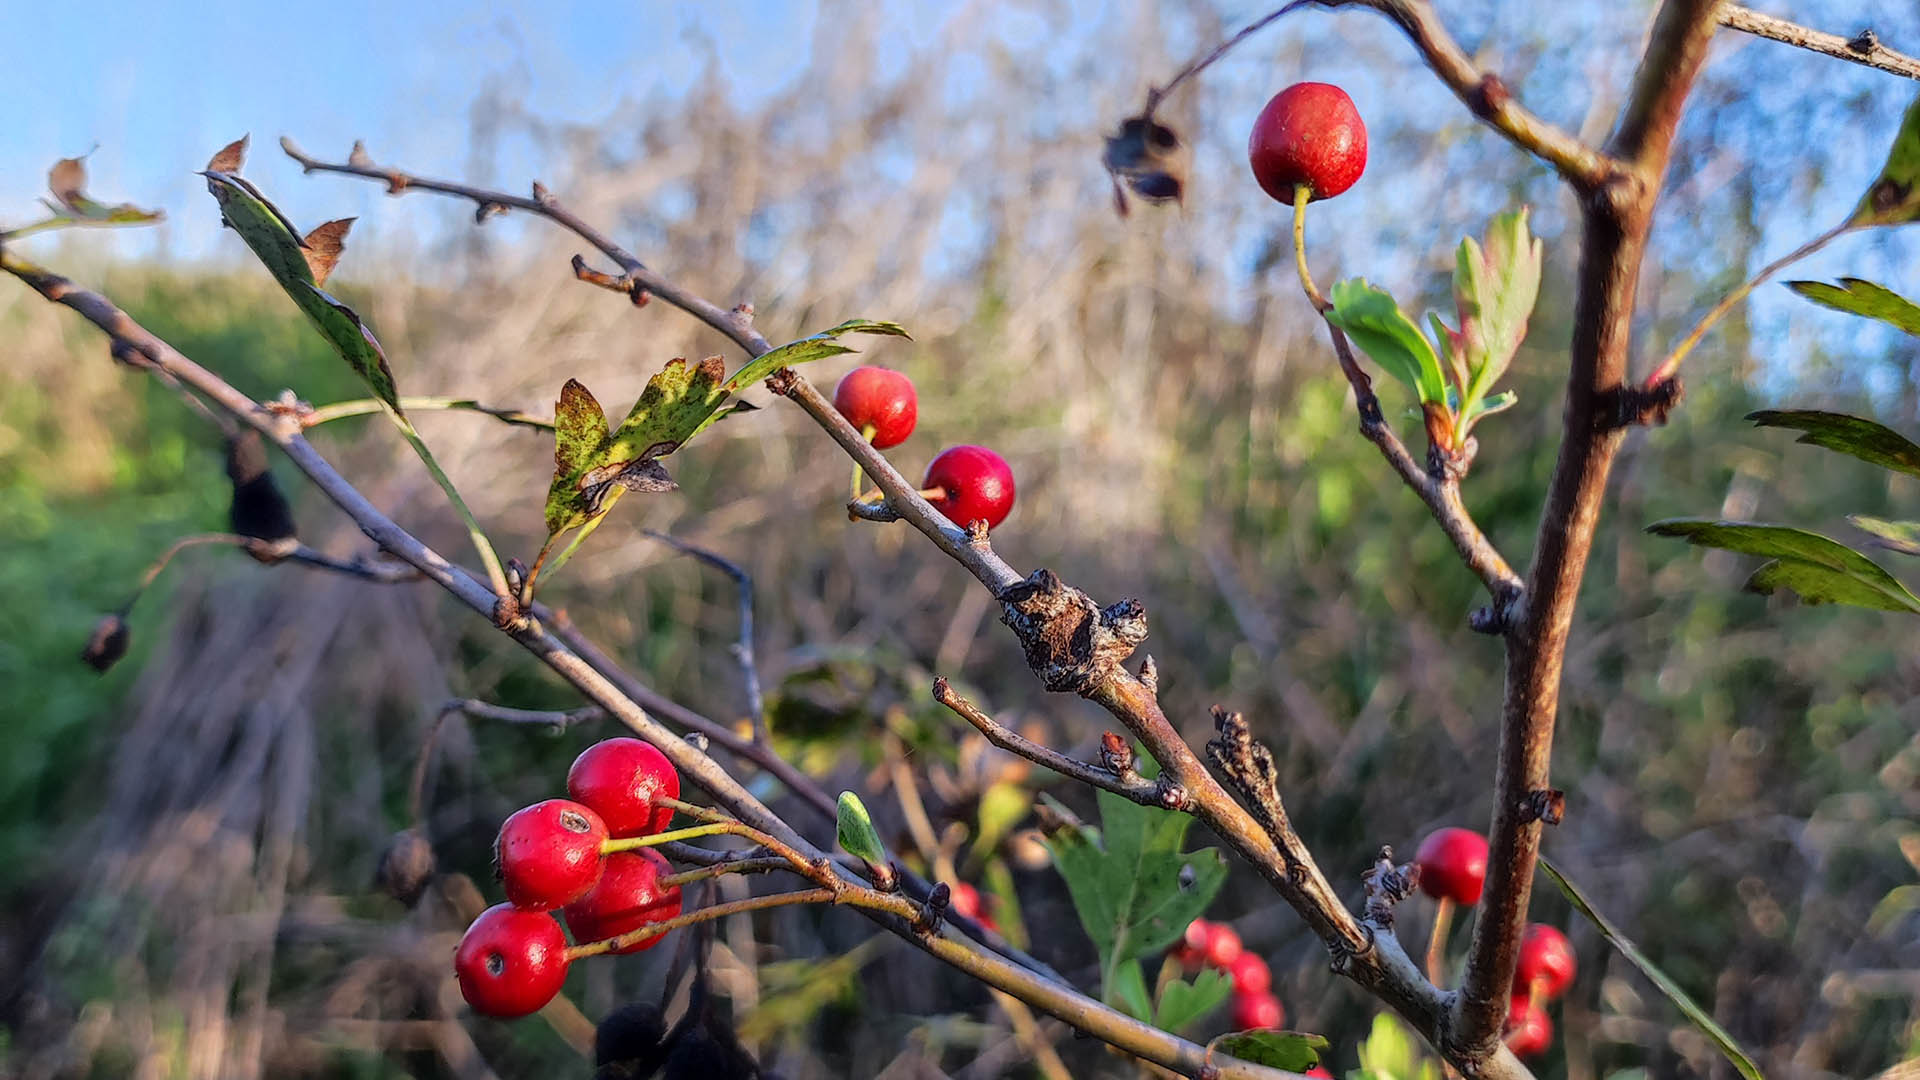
(1862, 48)
(1616, 220)
(1488, 97)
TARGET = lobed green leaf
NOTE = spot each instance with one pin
(1293, 1051)
(1494, 290)
(1183, 1002)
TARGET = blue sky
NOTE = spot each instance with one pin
(172, 81)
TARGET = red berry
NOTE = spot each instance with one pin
(975, 484)
(1310, 134)
(1260, 1010)
(966, 900)
(511, 962)
(1223, 947)
(1318, 1070)
(1250, 974)
(1528, 1030)
(620, 779)
(628, 897)
(1453, 865)
(1196, 935)
(548, 854)
(880, 398)
(1545, 955)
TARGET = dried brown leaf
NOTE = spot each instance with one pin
(323, 247)
(230, 157)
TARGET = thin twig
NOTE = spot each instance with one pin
(1863, 48)
(266, 551)
(481, 710)
(743, 649)
(1138, 788)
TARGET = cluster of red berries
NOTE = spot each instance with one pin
(1216, 945)
(1453, 869)
(966, 483)
(563, 854)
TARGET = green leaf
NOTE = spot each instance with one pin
(290, 258)
(1900, 536)
(1384, 332)
(678, 401)
(1856, 296)
(1183, 1002)
(1293, 1051)
(1894, 196)
(1487, 406)
(1822, 571)
(1741, 1062)
(1125, 880)
(814, 347)
(854, 829)
(1874, 443)
(1391, 1054)
(1494, 289)
(579, 427)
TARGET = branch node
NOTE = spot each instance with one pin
(1249, 767)
(1071, 643)
(1864, 42)
(1638, 406)
(1548, 805)
(1117, 757)
(782, 381)
(1501, 616)
(933, 911)
(1490, 96)
(1150, 675)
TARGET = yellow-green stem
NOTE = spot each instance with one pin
(698, 813)
(1437, 944)
(340, 410)
(1672, 363)
(495, 575)
(628, 843)
(1302, 194)
(705, 914)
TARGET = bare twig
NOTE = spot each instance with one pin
(1137, 788)
(1488, 97)
(743, 649)
(1862, 48)
(481, 710)
(266, 551)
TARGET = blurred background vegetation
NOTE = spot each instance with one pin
(187, 843)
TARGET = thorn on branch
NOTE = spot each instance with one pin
(620, 283)
(1071, 643)
(1549, 806)
(1150, 675)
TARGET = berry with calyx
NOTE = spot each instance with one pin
(1309, 134)
(1453, 865)
(879, 399)
(627, 897)
(1260, 1010)
(1528, 1031)
(1546, 959)
(968, 484)
(511, 962)
(1250, 974)
(548, 854)
(622, 779)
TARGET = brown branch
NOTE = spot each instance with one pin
(894, 912)
(1488, 97)
(1438, 488)
(1135, 787)
(1863, 48)
(1616, 220)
